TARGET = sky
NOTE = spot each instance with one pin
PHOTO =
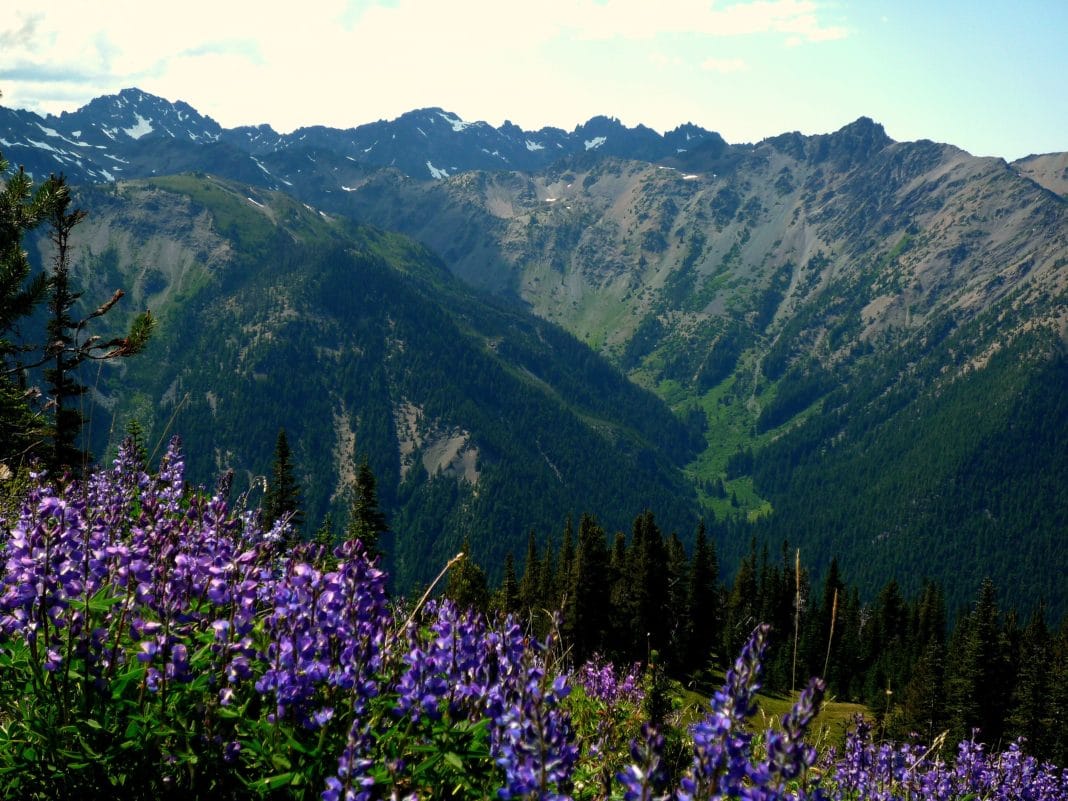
(987, 76)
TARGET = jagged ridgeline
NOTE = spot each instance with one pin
(478, 419)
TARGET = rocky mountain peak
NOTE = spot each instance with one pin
(853, 144)
(133, 114)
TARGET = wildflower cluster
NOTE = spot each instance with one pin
(150, 637)
(153, 642)
(890, 771)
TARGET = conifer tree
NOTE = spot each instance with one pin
(63, 388)
(743, 604)
(283, 493)
(467, 583)
(1058, 696)
(924, 704)
(704, 615)
(1031, 715)
(649, 586)
(974, 689)
(21, 210)
(507, 600)
(136, 434)
(367, 523)
(924, 698)
(587, 613)
(676, 607)
(619, 623)
(530, 589)
(549, 591)
(819, 637)
(561, 578)
(68, 345)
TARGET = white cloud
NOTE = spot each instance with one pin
(723, 65)
(344, 63)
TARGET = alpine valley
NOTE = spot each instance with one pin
(850, 343)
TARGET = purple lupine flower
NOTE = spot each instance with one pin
(788, 754)
(531, 737)
(721, 745)
(602, 681)
(645, 778)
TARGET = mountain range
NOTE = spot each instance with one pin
(848, 342)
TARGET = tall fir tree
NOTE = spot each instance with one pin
(1058, 696)
(530, 585)
(924, 694)
(704, 615)
(506, 600)
(975, 693)
(64, 390)
(1031, 715)
(743, 604)
(467, 586)
(561, 578)
(678, 580)
(587, 614)
(648, 587)
(282, 497)
(366, 523)
(22, 208)
(23, 430)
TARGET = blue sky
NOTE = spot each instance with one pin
(986, 76)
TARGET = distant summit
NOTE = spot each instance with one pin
(112, 136)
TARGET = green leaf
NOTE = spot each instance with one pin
(273, 782)
(454, 760)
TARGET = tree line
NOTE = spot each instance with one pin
(647, 598)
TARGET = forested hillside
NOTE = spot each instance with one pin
(478, 420)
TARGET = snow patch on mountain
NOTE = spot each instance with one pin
(534, 146)
(435, 172)
(596, 142)
(139, 129)
(456, 123)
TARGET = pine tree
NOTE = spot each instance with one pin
(649, 587)
(976, 695)
(22, 430)
(587, 617)
(561, 577)
(549, 591)
(135, 433)
(925, 693)
(366, 521)
(743, 605)
(21, 210)
(325, 539)
(283, 493)
(66, 348)
(507, 600)
(1058, 696)
(1030, 716)
(530, 590)
(467, 583)
(677, 645)
(924, 704)
(704, 615)
(63, 388)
